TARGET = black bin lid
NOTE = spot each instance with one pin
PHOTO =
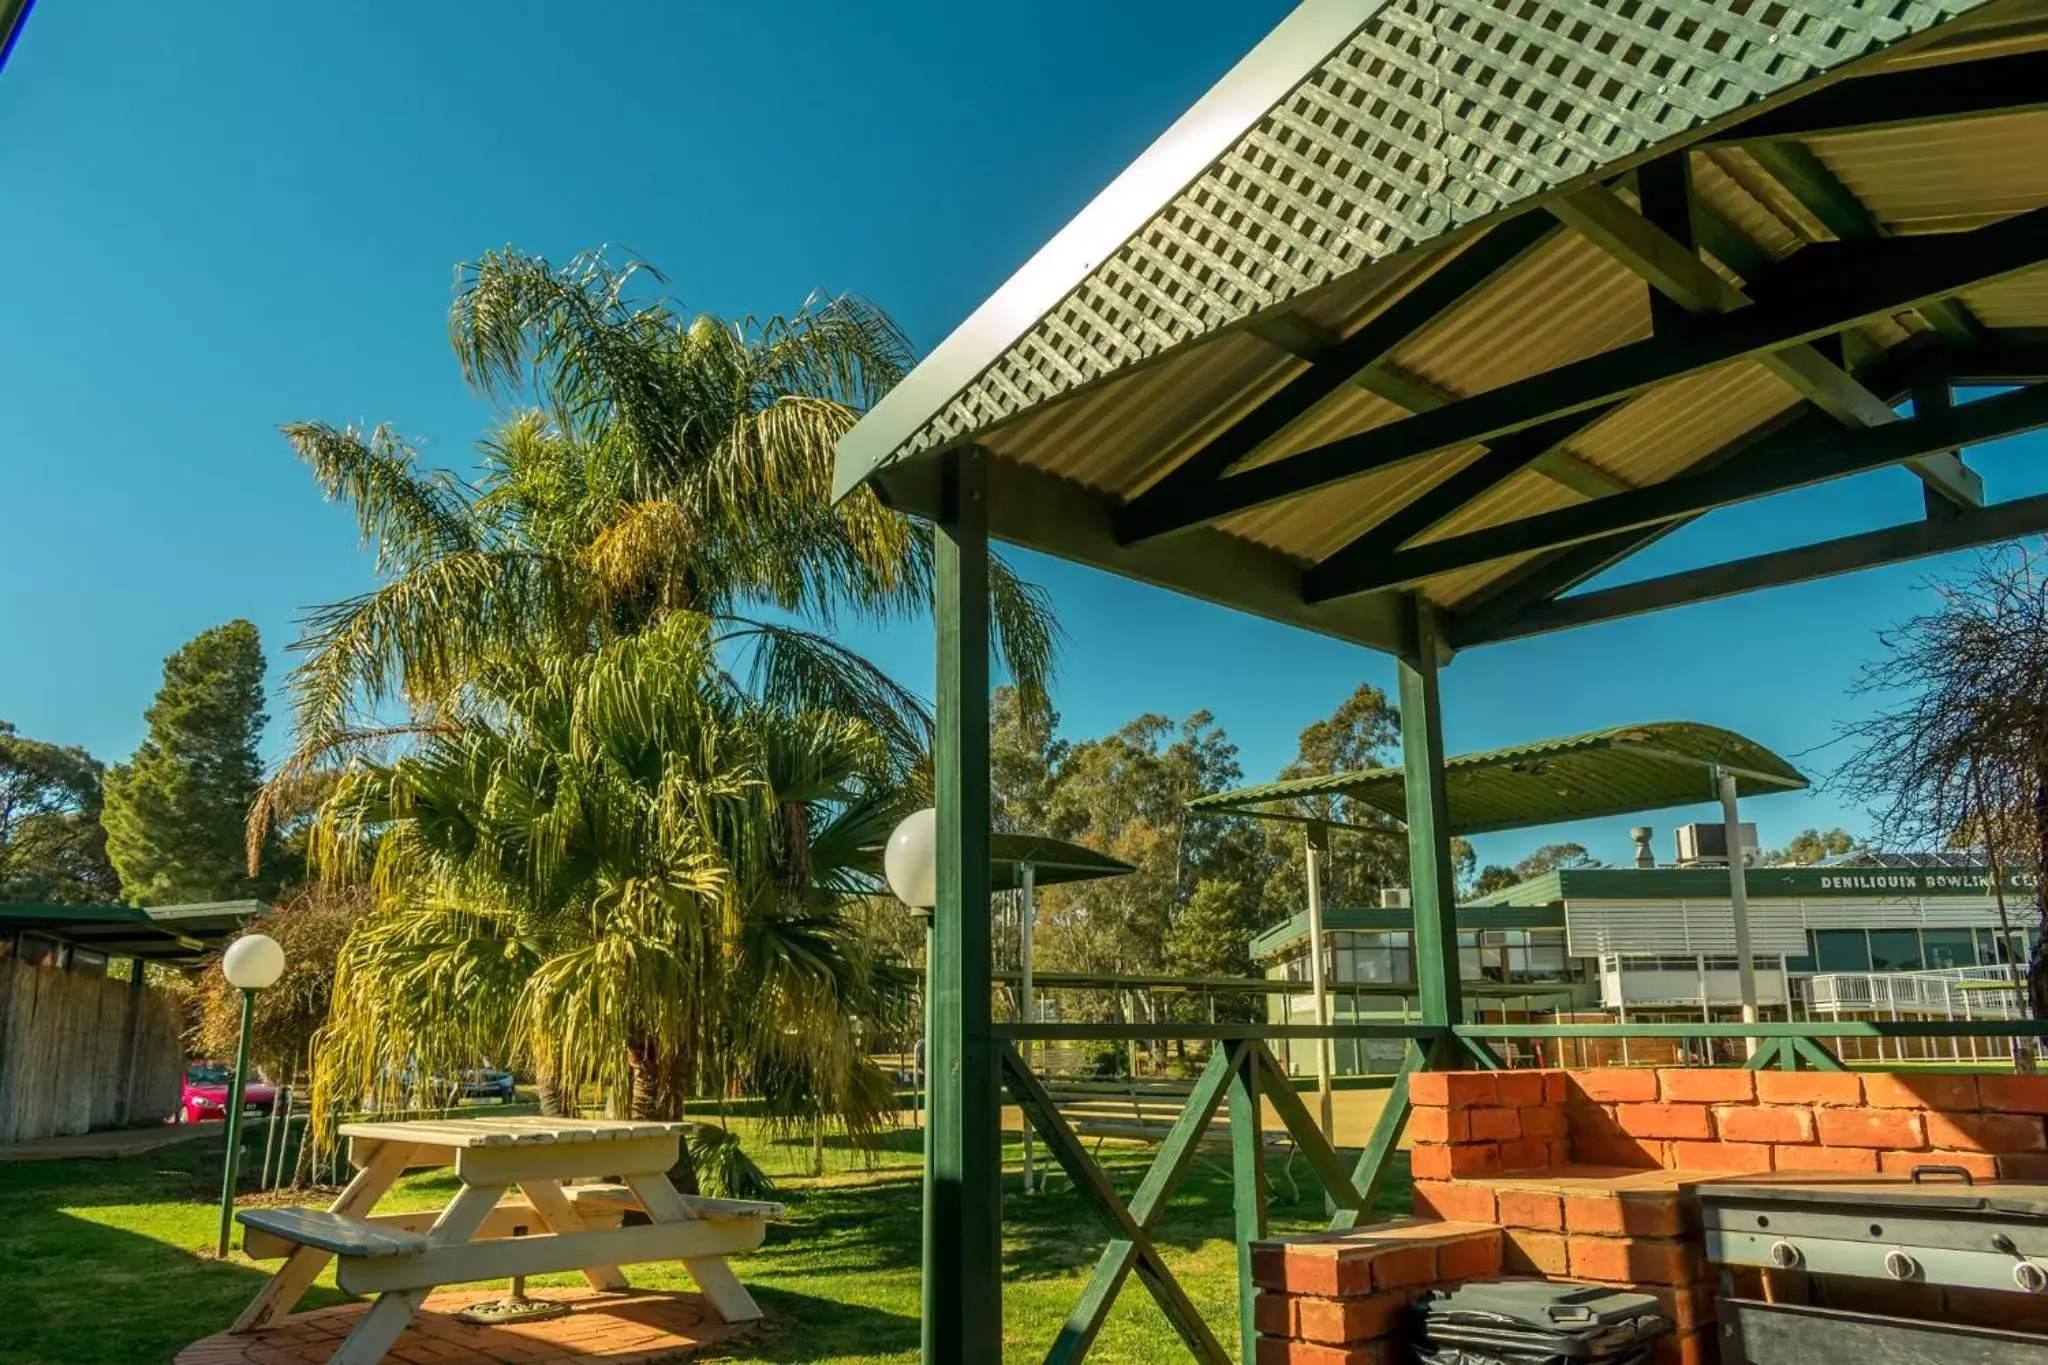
(1558, 1320)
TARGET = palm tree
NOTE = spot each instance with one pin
(620, 869)
(643, 464)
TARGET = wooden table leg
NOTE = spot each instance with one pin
(379, 1329)
(722, 1289)
(560, 1215)
(282, 1292)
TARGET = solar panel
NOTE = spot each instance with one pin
(1871, 858)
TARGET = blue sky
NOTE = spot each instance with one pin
(223, 217)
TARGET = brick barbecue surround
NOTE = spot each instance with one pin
(1590, 1176)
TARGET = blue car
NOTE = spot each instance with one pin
(487, 1083)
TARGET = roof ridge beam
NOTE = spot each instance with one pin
(1825, 559)
(1824, 194)
(1775, 466)
(1838, 286)
(1438, 504)
(1673, 269)
(1895, 99)
(1342, 365)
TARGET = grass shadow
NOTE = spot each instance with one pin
(797, 1328)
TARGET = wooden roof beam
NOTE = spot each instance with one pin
(1797, 458)
(1523, 450)
(1807, 178)
(1337, 367)
(1901, 99)
(1837, 286)
(1845, 554)
(2008, 356)
(1680, 278)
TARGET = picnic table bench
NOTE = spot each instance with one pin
(1144, 1109)
(484, 1235)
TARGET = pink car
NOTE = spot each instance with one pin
(206, 1093)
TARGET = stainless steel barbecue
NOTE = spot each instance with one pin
(1938, 1229)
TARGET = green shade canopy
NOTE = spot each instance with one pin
(1462, 307)
(176, 935)
(1606, 772)
(1051, 860)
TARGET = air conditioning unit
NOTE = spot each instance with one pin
(1394, 898)
(1709, 843)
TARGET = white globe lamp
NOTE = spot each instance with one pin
(911, 860)
(253, 962)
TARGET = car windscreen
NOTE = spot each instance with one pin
(206, 1073)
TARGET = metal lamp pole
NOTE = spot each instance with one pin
(252, 963)
(234, 1120)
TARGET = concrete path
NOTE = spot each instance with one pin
(109, 1145)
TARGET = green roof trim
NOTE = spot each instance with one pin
(1605, 772)
(1564, 885)
(1201, 232)
(176, 935)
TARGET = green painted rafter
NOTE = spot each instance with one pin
(1348, 361)
(1795, 459)
(1682, 280)
(1831, 288)
(1904, 99)
(1809, 180)
(1892, 545)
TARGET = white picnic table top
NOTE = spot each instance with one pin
(501, 1131)
(402, 1264)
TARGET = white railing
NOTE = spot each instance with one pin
(1943, 992)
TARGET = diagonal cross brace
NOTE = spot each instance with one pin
(1130, 1228)
(1309, 1140)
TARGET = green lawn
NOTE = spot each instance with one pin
(111, 1261)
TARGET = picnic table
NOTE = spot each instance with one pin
(479, 1235)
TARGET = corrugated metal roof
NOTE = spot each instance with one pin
(1605, 772)
(1333, 206)
(1946, 177)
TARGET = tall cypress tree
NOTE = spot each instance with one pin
(174, 812)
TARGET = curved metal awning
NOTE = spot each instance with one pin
(1472, 301)
(1052, 861)
(1606, 772)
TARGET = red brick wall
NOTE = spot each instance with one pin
(1479, 1123)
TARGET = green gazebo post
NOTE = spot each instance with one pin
(963, 1177)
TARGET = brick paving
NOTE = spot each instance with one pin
(633, 1328)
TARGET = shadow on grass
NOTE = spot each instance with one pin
(79, 1291)
(799, 1327)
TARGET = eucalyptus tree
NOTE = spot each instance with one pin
(1957, 752)
(618, 869)
(643, 463)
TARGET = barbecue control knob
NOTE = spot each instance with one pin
(1900, 1266)
(2030, 1278)
(1785, 1256)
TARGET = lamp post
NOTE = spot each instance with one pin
(910, 863)
(252, 963)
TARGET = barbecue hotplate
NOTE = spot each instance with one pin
(1940, 1227)
(1943, 1192)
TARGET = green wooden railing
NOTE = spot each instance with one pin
(1241, 1071)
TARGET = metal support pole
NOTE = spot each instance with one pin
(234, 1126)
(1738, 901)
(1027, 919)
(1319, 971)
(963, 1180)
(1431, 891)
